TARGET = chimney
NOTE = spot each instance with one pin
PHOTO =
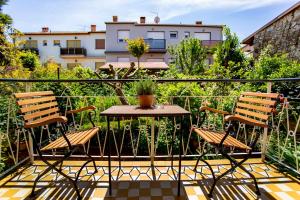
(45, 29)
(199, 22)
(142, 20)
(93, 28)
(115, 18)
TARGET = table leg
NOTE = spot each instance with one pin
(109, 161)
(180, 152)
(152, 141)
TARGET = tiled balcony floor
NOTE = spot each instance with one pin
(146, 185)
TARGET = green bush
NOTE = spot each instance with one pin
(29, 60)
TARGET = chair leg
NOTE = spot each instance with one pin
(93, 160)
(37, 179)
(200, 157)
(253, 177)
(70, 180)
(234, 165)
(217, 179)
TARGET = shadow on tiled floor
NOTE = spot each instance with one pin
(139, 183)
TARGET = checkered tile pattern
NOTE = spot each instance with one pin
(144, 182)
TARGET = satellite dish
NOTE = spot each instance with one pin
(156, 20)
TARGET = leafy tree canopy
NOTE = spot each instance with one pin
(189, 55)
(137, 48)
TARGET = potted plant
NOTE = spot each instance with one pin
(145, 92)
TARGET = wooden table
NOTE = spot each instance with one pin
(136, 111)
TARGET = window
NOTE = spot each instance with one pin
(202, 36)
(45, 43)
(72, 65)
(122, 36)
(186, 34)
(73, 43)
(56, 42)
(98, 65)
(158, 35)
(30, 44)
(100, 44)
(123, 59)
(173, 34)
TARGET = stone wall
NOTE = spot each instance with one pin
(283, 35)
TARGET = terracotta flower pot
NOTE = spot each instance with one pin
(146, 101)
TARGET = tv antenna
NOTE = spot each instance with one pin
(156, 18)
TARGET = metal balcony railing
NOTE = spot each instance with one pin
(132, 141)
(156, 44)
(72, 51)
(211, 42)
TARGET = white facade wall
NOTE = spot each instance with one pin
(53, 52)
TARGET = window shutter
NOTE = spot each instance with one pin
(100, 43)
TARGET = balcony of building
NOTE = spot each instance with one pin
(73, 52)
(211, 43)
(156, 45)
(274, 162)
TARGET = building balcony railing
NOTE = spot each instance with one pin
(131, 138)
(211, 43)
(156, 44)
(73, 52)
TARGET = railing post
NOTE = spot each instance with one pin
(265, 134)
(27, 89)
(58, 73)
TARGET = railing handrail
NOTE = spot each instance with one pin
(156, 80)
(153, 45)
(74, 51)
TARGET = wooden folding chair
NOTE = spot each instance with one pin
(40, 109)
(252, 109)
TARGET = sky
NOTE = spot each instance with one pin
(242, 16)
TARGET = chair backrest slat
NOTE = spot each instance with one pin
(36, 100)
(258, 101)
(256, 107)
(41, 113)
(37, 106)
(258, 94)
(252, 114)
(33, 94)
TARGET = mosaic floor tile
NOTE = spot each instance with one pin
(136, 180)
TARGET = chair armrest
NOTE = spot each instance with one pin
(246, 120)
(203, 108)
(81, 109)
(46, 121)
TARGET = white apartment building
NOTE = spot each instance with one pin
(68, 48)
(99, 49)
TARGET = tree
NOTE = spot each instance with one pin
(8, 48)
(189, 55)
(137, 48)
(229, 60)
(29, 60)
(116, 74)
(5, 20)
(229, 49)
(270, 66)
